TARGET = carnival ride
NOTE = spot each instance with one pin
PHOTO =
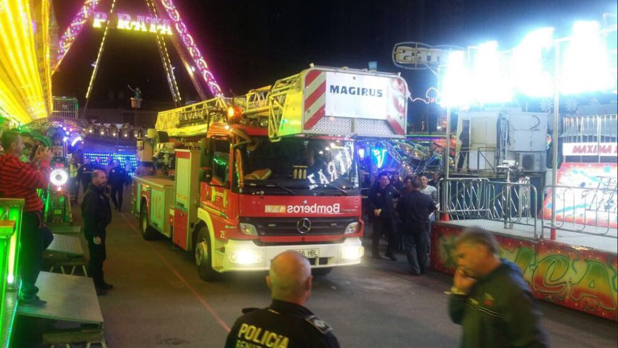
(64, 134)
(163, 21)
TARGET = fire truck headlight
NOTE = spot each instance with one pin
(352, 228)
(245, 257)
(352, 252)
(59, 177)
(248, 230)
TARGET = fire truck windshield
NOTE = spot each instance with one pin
(299, 163)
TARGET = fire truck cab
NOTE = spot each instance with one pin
(247, 178)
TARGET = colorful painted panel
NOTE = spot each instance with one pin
(592, 201)
(580, 279)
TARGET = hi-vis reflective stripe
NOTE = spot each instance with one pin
(276, 209)
(315, 102)
(250, 336)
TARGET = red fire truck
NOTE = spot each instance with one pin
(239, 180)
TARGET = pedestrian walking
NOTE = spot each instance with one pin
(414, 209)
(118, 179)
(490, 298)
(287, 322)
(21, 180)
(97, 215)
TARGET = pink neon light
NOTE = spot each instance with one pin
(76, 27)
(196, 55)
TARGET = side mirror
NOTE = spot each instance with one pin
(205, 153)
(205, 161)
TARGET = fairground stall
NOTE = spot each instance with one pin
(551, 199)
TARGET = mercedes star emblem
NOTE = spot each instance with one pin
(303, 226)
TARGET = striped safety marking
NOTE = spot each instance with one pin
(396, 125)
(315, 103)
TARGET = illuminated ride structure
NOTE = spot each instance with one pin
(238, 180)
(164, 21)
(561, 231)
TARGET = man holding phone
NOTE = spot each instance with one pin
(21, 180)
(490, 298)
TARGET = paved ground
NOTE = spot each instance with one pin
(159, 301)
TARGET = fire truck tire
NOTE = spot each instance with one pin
(148, 233)
(203, 253)
(320, 272)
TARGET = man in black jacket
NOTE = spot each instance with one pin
(97, 214)
(490, 299)
(382, 203)
(414, 210)
(287, 322)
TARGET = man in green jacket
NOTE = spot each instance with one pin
(490, 298)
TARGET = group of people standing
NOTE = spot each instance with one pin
(22, 173)
(117, 178)
(404, 210)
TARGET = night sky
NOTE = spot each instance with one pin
(249, 44)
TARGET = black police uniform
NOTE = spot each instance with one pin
(384, 199)
(97, 215)
(117, 178)
(282, 325)
(414, 209)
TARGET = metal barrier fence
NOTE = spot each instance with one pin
(510, 203)
(583, 210)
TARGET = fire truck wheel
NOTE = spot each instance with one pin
(203, 254)
(320, 272)
(148, 233)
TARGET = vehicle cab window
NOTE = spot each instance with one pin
(221, 161)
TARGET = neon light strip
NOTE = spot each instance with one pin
(12, 257)
(76, 27)
(199, 61)
(21, 86)
(165, 56)
(101, 49)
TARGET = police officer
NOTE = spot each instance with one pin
(97, 215)
(286, 323)
(117, 179)
(382, 200)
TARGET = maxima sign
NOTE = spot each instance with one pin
(590, 149)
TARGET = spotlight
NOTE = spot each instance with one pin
(59, 177)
